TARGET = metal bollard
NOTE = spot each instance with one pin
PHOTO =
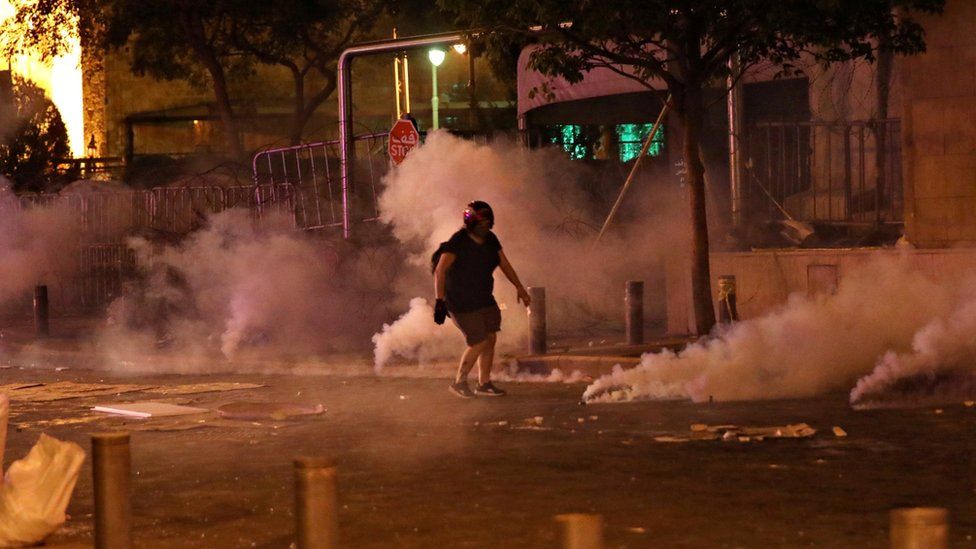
(316, 504)
(112, 476)
(581, 531)
(634, 320)
(41, 325)
(920, 528)
(537, 321)
(727, 313)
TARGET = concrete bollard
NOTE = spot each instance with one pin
(112, 476)
(537, 321)
(920, 528)
(727, 312)
(41, 325)
(581, 531)
(316, 504)
(634, 320)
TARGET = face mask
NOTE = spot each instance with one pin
(481, 229)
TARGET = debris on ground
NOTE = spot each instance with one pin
(969, 403)
(839, 432)
(64, 390)
(58, 422)
(149, 409)
(700, 431)
(268, 410)
(532, 424)
(36, 489)
(203, 388)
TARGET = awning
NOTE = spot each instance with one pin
(598, 82)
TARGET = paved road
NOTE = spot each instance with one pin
(421, 468)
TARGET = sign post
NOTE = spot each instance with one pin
(403, 137)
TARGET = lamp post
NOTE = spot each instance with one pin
(436, 57)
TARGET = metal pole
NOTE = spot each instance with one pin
(920, 528)
(734, 100)
(581, 531)
(112, 476)
(316, 504)
(42, 326)
(434, 100)
(396, 80)
(634, 303)
(537, 321)
(633, 169)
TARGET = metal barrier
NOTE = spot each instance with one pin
(103, 220)
(312, 169)
(833, 172)
(103, 268)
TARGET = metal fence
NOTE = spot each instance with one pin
(831, 172)
(101, 221)
(313, 172)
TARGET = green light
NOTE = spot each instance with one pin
(568, 137)
(630, 139)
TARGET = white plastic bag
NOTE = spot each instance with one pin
(36, 491)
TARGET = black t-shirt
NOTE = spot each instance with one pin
(469, 280)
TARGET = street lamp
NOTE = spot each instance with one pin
(436, 58)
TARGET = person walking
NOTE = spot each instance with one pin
(463, 290)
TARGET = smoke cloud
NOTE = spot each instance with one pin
(239, 283)
(38, 245)
(886, 315)
(546, 220)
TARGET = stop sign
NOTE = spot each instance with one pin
(403, 137)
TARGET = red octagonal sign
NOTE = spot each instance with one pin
(403, 137)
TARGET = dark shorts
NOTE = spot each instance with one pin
(476, 325)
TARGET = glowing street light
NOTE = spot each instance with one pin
(436, 57)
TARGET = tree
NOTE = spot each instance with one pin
(33, 137)
(689, 45)
(304, 38)
(210, 41)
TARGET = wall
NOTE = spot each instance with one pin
(939, 136)
(765, 278)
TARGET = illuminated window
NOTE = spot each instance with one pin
(568, 137)
(630, 139)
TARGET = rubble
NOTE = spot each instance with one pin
(64, 390)
(203, 388)
(700, 431)
(268, 410)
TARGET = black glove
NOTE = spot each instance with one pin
(440, 311)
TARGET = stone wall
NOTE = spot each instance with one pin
(939, 134)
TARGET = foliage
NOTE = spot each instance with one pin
(33, 137)
(211, 42)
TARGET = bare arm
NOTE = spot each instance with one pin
(506, 267)
(440, 274)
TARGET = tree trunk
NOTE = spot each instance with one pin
(692, 113)
(298, 118)
(305, 108)
(193, 30)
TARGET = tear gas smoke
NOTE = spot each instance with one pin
(546, 221)
(886, 313)
(238, 283)
(38, 245)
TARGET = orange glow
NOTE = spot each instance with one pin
(60, 78)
